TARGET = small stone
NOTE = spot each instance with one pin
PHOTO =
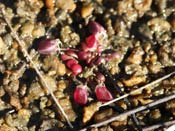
(67, 107)
(103, 115)
(38, 31)
(5, 127)
(134, 80)
(3, 47)
(136, 56)
(90, 110)
(15, 101)
(51, 83)
(86, 11)
(43, 102)
(119, 125)
(62, 84)
(66, 5)
(27, 28)
(145, 101)
(48, 124)
(61, 69)
(159, 25)
(155, 114)
(15, 45)
(49, 4)
(59, 94)
(35, 91)
(23, 117)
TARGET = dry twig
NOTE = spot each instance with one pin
(28, 58)
(130, 112)
(151, 85)
(156, 126)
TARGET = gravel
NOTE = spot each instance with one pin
(140, 32)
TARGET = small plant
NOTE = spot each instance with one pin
(90, 53)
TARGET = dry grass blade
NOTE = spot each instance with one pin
(27, 56)
(156, 126)
(127, 113)
(152, 84)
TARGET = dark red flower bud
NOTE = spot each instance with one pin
(103, 94)
(81, 95)
(47, 46)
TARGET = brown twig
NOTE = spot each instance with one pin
(151, 85)
(28, 58)
(130, 112)
(156, 126)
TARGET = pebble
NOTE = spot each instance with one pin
(170, 106)
(159, 25)
(142, 6)
(3, 47)
(59, 94)
(62, 84)
(27, 28)
(35, 91)
(61, 69)
(66, 5)
(87, 10)
(119, 125)
(155, 114)
(67, 107)
(48, 124)
(19, 120)
(43, 102)
(136, 56)
(90, 110)
(103, 115)
(134, 80)
(49, 4)
(51, 82)
(15, 101)
(5, 127)
(38, 31)
(23, 116)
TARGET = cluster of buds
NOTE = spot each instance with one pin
(90, 52)
(70, 58)
(81, 94)
(94, 44)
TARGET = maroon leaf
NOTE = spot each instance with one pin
(71, 53)
(81, 95)
(47, 46)
(65, 57)
(95, 27)
(100, 77)
(91, 42)
(76, 69)
(83, 55)
(71, 62)
(103, 94)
